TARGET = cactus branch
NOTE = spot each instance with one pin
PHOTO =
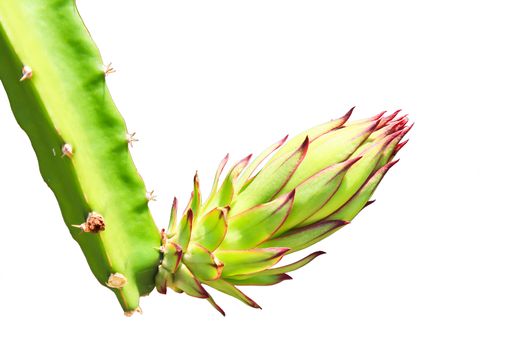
(62, 102)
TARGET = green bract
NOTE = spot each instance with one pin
(309, 188)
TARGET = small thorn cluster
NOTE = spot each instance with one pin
(116, 281)
(67, 150)
(150, 196)
(94, 223)
(27, 73)
(130, 138)
(130, 313)
(108, 69)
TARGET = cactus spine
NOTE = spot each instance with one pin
(55, 81)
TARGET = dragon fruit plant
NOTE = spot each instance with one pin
(291, 196)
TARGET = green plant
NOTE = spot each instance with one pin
(309, 187)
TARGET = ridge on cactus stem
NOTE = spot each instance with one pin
(295, 193)
(308, 188)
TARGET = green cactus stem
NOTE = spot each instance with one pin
(55, 81)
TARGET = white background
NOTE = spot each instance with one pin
(423, 268)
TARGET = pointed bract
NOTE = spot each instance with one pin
(256, 225)
(270, 180)
(197, 199)
(313, 193)
(239, 262)
(210, 230)
(228, 288)
(249, 170)
(353, 179)
(172, 257)
(299, 238)
(360, 199)
(215, 184)
(312, 134)
(224, 196)
(183, 235)
(291, 267)
(259, 280)
(173, 219)
(331, 148)
(202, 262)
(215, 305)
(188, 283)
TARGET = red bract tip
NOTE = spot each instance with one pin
(346, 116)
(386, 120)
(190, 216)
(221, 165)
(246, 159)
(386, 130)
(216, 306)
(285, 277)
(390, 164)
(178, 254)
(369, 202)
(403, 117)
(350, 162)
(249, 301)
(339, 223)
(405, 130)
(290, 195)
(162, 289)
(371, 128)
(304, 148)
(400, 145)
(378, 116)
(241, 164)
(395, 113)
(280, 251)
(305, 143)
(400, 124)
(391, 137)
